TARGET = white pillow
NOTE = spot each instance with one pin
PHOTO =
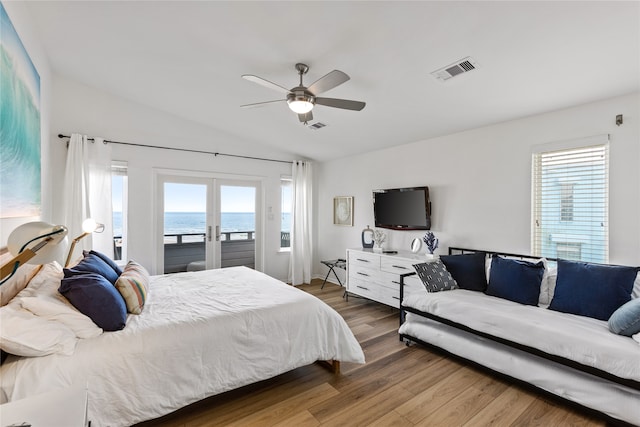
(41, 297)
(24, 334)
(65, 313)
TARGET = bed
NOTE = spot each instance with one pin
(200, 334)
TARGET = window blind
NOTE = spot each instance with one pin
(571, 203)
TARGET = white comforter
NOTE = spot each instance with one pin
(200, 334)
(578, 338)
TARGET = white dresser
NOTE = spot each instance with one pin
(376, 276)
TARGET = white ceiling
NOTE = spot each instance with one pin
(186, 58)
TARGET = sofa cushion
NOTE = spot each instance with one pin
(516, 280)
(468, 270)
(435, 277)
(626, 319)
(593, 290)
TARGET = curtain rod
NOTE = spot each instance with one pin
(216, 154)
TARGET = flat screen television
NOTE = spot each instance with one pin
(402, 208)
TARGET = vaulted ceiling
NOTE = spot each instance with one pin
(186, 58)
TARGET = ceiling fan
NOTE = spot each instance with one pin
(302, 99)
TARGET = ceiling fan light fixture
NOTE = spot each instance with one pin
(300, 103)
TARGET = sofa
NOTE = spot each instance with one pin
(570, 329)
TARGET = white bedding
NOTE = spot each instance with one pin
(200, 333)
(578, 338)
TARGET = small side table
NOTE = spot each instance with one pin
(333, 264)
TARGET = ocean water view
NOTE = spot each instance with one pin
(195, 222)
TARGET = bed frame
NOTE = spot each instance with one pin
(557, 359)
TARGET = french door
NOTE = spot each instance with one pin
(205, 223)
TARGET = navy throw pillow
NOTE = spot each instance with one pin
(92, 263)
(592, 290)
(96, 298)
(468, 270)
(515, 280)
(106, 259)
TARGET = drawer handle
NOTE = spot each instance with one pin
(396, 282)
(362, 287)
(363, 260)
(398, 298)
(400, 267)
(363, 274)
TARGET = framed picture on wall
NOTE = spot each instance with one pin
(343, 210)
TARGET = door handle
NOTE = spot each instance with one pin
(209, 233)
(217, 233)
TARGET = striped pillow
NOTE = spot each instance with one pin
(133, 285)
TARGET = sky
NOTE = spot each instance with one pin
(192, 198)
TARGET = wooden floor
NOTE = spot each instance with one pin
(398, 386)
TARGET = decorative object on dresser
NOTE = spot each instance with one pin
(379, 238)
(33, 243)
(376, 276)
(416, 245)
(367, 238)
(343, 210)
(431, 241)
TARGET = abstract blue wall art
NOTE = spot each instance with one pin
(20, 190)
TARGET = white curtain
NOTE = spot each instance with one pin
(301, 223)
(87, 193)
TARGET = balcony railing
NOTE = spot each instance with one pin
(187, 250)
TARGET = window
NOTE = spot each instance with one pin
(119, 190)
(285, 212)
(570, 203)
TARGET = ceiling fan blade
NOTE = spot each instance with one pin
(304, 118)
(328, 81)
(265, 83)
(341, 103)
(260, 104)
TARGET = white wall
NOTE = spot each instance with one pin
(21, 20)
(480, 182)
(79, 108)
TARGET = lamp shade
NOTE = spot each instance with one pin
(33, 233)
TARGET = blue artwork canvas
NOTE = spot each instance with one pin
(19, 126)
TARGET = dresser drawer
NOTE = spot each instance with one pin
(389, 296)
(363, 288)
(397, 265)
(365, 273)
(364, 259)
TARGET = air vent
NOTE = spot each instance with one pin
(460, 67)
(317, 125)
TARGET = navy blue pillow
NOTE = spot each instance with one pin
(106, 259)
(592, 290)
(468, 270)
(515, 280)
(96, 298)
(92, 263)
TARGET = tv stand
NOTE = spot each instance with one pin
(376, 275)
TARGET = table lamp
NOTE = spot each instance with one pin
(34, 243)
(88, 226)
